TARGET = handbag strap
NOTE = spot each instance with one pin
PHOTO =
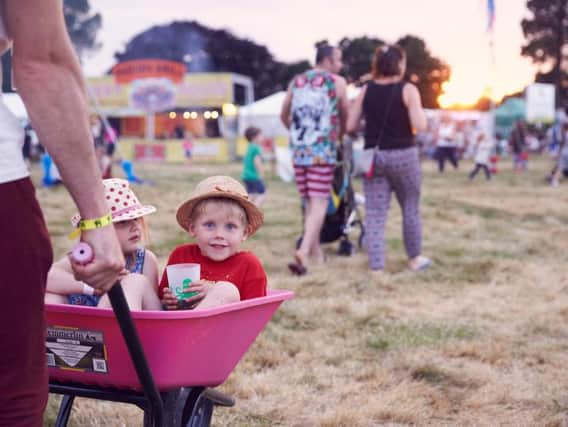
(387, 111)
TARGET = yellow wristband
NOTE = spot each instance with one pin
(91, 224)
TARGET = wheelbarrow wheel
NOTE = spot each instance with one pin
(198, 409)
(201, 414)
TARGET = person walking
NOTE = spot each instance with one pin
(559, 138)
(252, 166)
(446, 143)
(315, 112)
(393, 112)
(484, 148)
(518, 143)
(47, 75)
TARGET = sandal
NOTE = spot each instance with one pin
(297, 269)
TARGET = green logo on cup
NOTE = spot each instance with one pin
(183, 291)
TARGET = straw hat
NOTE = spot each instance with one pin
(220, 187)
(121, 201)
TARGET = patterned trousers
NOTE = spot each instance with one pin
(398, 171)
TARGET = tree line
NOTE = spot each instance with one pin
(207, 49)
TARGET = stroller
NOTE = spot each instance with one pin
(343, 211)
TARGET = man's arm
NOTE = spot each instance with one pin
(48, 77)
(343, 104)
(286, 106)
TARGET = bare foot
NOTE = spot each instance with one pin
(301, 258)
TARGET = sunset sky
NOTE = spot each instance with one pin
(454, 31)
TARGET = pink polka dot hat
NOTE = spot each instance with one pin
(121, 201)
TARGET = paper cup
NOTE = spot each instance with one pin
(181, 276)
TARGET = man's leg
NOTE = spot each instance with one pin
(315, 214)
(25, 259)
(317, 186)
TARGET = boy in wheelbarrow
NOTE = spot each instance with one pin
(220, 216)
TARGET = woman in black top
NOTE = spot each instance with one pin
(393, 113)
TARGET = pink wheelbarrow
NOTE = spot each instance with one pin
(161, 361)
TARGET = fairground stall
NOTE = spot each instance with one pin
(163, 113)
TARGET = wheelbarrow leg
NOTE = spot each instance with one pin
(64, 411)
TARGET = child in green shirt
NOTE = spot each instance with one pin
(252, 166)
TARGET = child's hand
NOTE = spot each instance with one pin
(169, 301)
(198, 290)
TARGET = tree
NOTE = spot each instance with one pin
(82, 26)
(243, 56)
(288, 71)
(204, 50)
(483, 104)
(427, 72)
(357, 56)
(545, 33)
(424, 70)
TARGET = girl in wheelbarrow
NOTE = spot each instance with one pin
(220, 216)
(140, 284)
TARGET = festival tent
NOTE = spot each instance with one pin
(508, 113)
(264, 114)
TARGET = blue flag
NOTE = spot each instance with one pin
(490, 15)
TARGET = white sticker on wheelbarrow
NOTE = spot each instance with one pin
(76, 349)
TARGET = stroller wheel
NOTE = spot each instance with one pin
(361, 240)
(346, 248)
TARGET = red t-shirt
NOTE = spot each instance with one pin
(243, 270)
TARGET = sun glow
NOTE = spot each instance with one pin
(458, 94)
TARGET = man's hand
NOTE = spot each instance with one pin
(108, 262)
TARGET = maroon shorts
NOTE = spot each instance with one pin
(314, 181)
(25, 259)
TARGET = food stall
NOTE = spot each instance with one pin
(163, 113)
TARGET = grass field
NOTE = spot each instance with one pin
(481, 339)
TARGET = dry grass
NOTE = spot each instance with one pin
(478, 340)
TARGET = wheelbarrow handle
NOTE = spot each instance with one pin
(132, 340)
(83, 254)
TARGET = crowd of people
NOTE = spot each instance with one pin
(451, 140)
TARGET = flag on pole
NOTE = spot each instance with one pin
(490, 15)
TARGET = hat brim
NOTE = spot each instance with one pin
(133, 214)
(255, 217)
(122, 216)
